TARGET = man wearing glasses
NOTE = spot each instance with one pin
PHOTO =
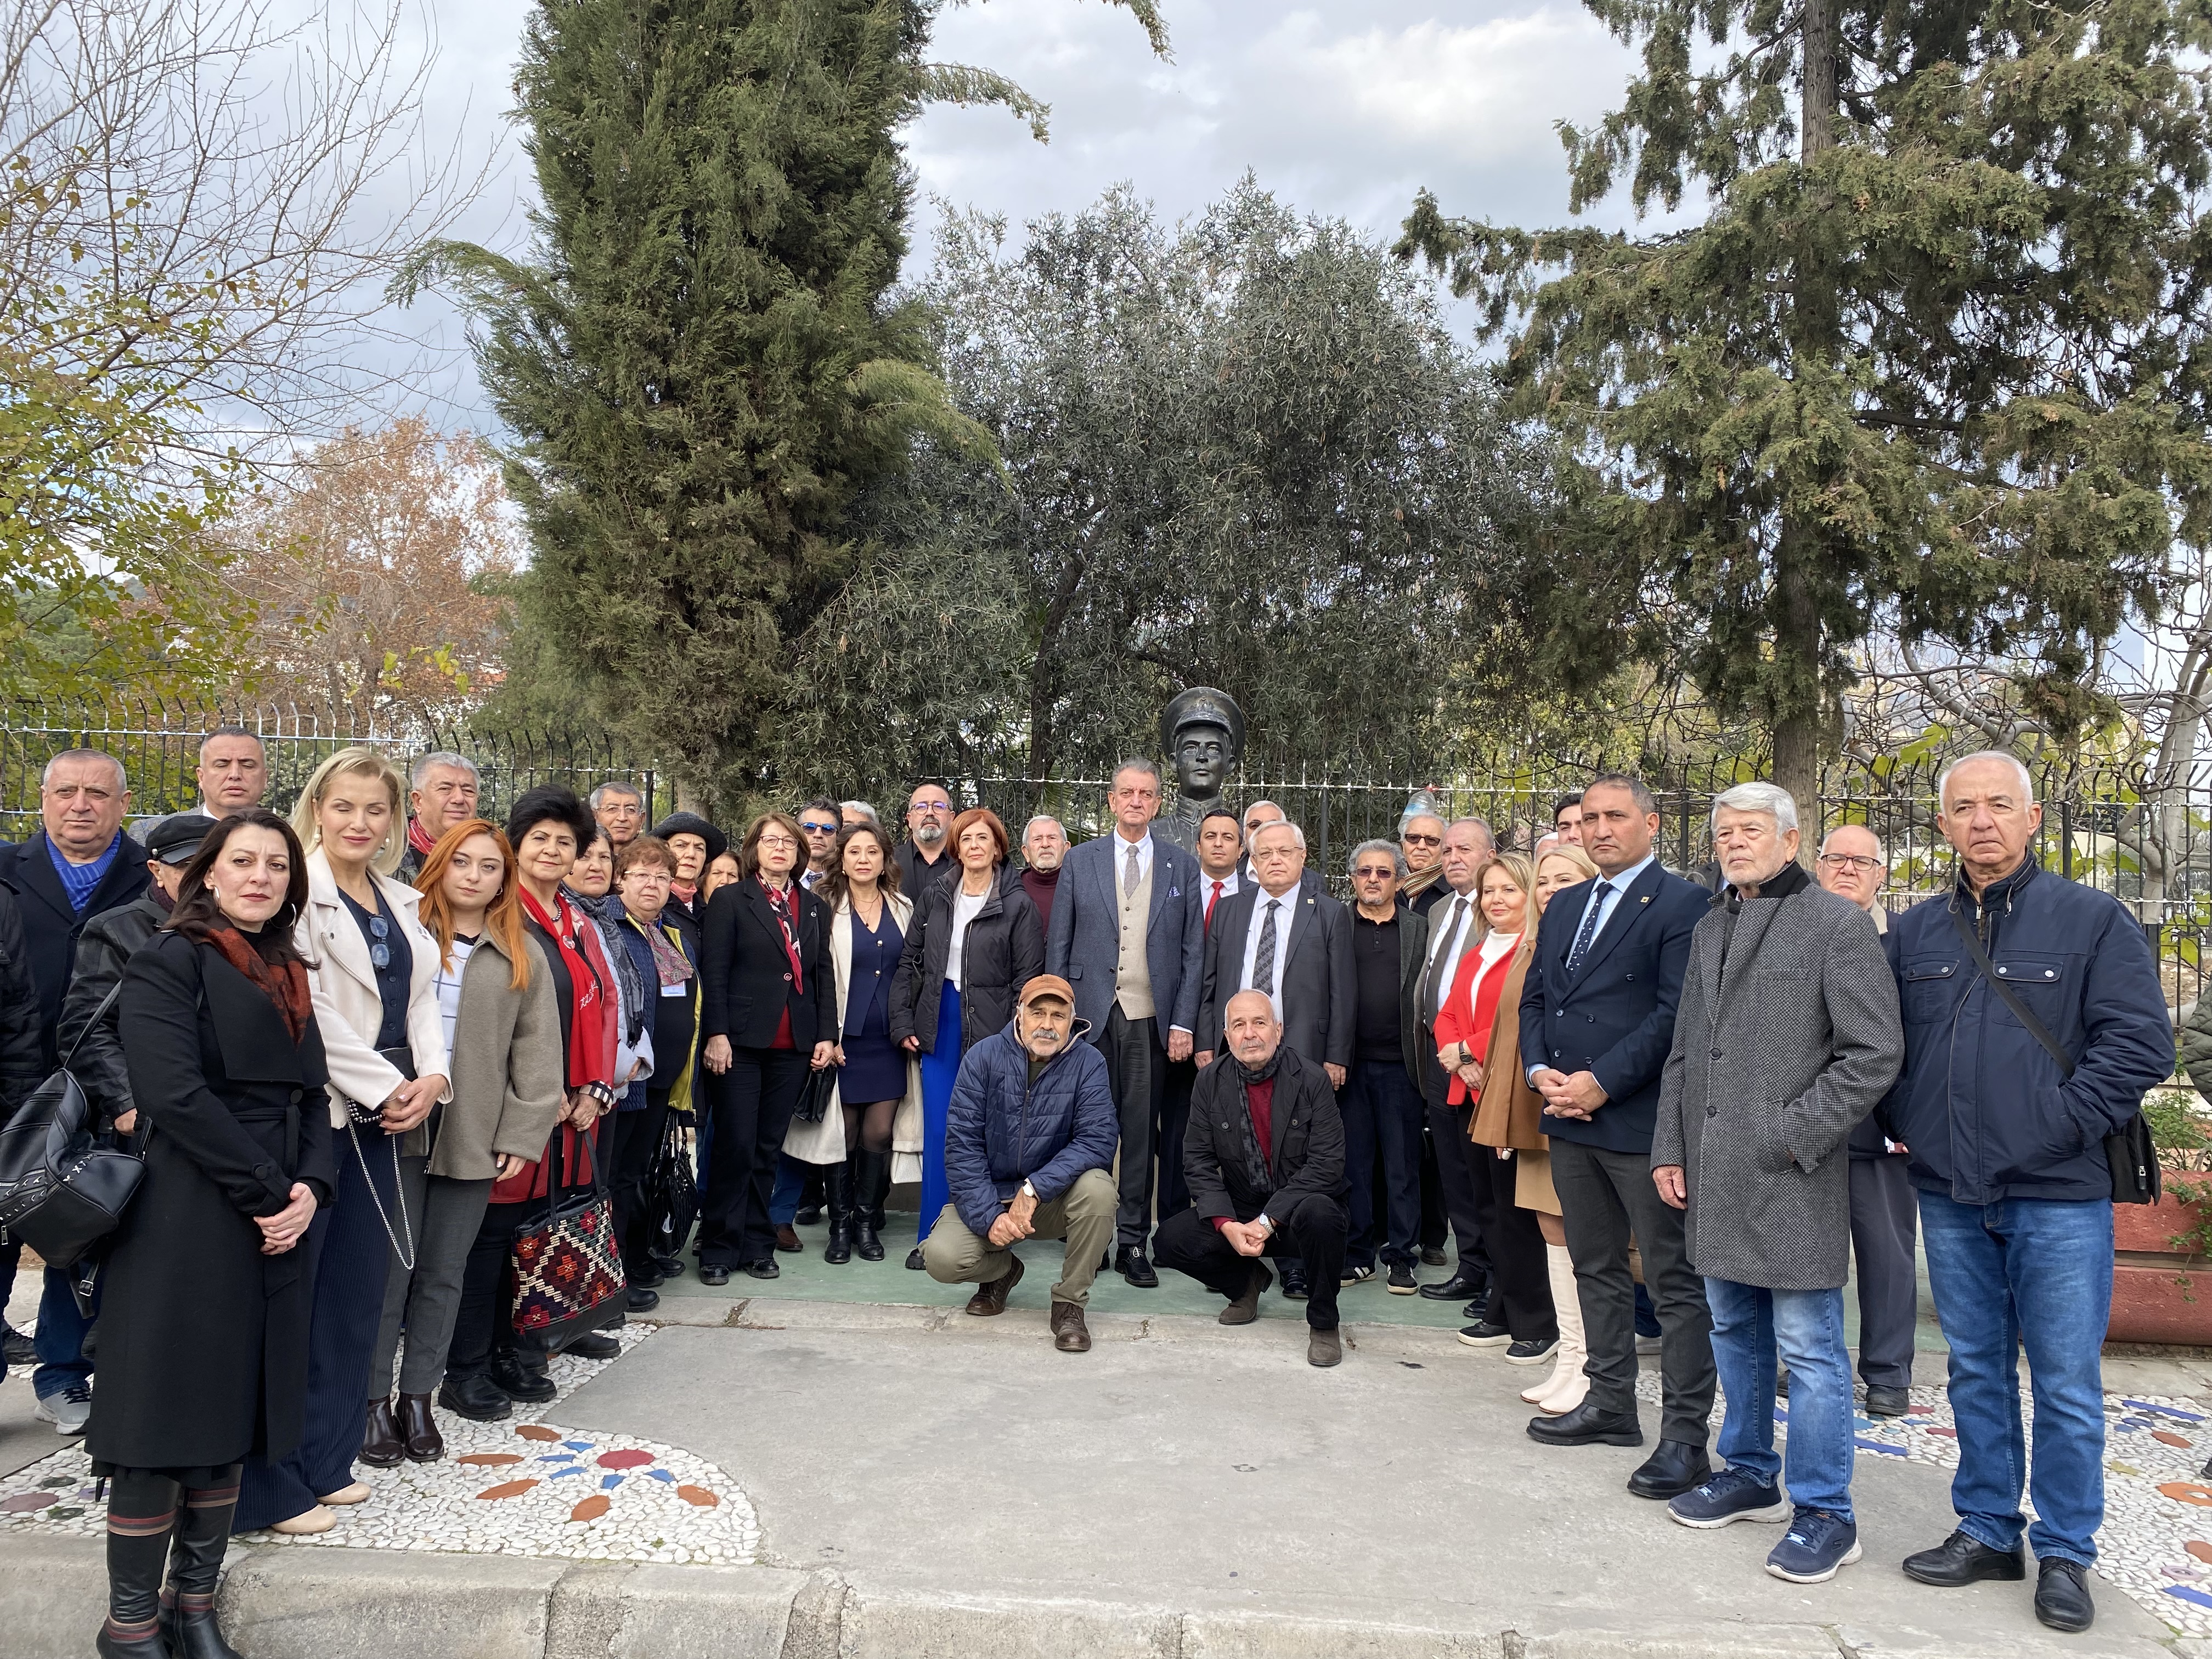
(1421, 838)
(620, 809)
(1884, 1213)
(924, 856)
(820, 822)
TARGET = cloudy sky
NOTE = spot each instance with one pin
(1345, 108)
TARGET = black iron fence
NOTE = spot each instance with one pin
(2102, 823)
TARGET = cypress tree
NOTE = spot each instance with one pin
(700, 365)
(1935, 362)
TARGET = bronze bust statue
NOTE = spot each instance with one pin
(1202, 732)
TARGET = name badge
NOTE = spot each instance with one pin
(675, 990)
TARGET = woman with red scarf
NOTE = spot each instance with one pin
(768, 1012)
(546, 827)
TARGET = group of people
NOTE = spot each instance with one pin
(359, 1047)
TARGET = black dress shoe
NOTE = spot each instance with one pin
(671, 1266)
(914, 1262)
(2062, 1596)
(713, 1273)
(1431, 1256)
(764, 1268)
(1960, 1559)
(1460, 1288)
(642, 1299)
(1294, 1281)
(1131, 1264)
(1671, 1470)
(381, 1445)
(644, 1276)
(594, 1345)
(808, 1216)
(1887, 1402)
(476, 1398)
(1588, 1425)
(519, 1383)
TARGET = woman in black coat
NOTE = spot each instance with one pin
(975, 943)
(203, 1328)
(768, 1011)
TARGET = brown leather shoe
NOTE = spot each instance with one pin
(991, 1298)
(1246, 1308)
(419, 1429)
(1069, 1334)
(1323, 1348)
(786, 1239)
(379, 1439)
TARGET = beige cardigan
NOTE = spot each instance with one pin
(824, 1142)
(349, 1009)
(508, 1084)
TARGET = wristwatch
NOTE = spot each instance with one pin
(1028, 1191)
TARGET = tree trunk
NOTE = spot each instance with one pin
(1816, 122)
(1794, 701)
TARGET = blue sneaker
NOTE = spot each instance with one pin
(1730, 1496)
(1816, 1544)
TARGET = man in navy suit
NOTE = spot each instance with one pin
(1597, 1021)
(1129, 933)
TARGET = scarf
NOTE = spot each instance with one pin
(670, 965)
(285, 985)
(606, 914)
(1251, 1074)
(78, 880)
(583, 980)
(1790, 879)
(784, 906)
(419, 838)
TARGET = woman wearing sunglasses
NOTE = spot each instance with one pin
(372, 971)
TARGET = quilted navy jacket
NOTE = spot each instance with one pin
(1001, 1129)
(1987, 1113)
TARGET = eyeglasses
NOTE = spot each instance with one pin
(1373, 874)
(1858, 861)
(777, 841)
(380, 953)
(819, 829)
(929, 806)
(1411, 840)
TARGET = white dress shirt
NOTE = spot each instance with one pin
(1285, 918)
(1471, 926)
(965, 907)
(1121, 846)
(1618, 885)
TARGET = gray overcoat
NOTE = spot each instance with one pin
(1777, 1055)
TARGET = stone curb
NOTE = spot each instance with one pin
(371, 1604)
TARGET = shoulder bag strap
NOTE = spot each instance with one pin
(2020, 1010)
(68, 1060)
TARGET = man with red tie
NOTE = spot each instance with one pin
(1220, 849)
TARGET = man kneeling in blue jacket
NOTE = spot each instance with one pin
(1028, 1143)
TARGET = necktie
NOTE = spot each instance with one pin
(1432, 993)
(1263, 959)
(1590, 927)
(1211, 903)
(1129, 876)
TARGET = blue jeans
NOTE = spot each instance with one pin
(60, 1337)
(1752, 1325)
(790, 1184)
(2037, 1271)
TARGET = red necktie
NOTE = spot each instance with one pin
(1211, 903)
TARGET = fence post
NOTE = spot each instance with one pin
(2066, 838)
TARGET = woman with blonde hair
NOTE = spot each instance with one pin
(370, 973)
(496, 1001)
(1509, 1119)
(1520, 1317)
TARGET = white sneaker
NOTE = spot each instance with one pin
(67, 1411)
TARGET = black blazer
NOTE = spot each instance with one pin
(744, 973)
(1615, 1018)
(50, 926)
(1003, 951)
(203, 1339)
(1221, 1161)
(1319, 1011)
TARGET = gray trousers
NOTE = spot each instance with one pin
(1885, 1219)
(1604, 1196)
(446, 1215)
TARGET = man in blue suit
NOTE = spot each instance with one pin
(1597, 1021)
(1128, 933)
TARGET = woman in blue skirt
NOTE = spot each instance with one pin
(975, 943)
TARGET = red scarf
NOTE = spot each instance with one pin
(589, 1061)
(285, 984)
(419, 838)
(784, 906)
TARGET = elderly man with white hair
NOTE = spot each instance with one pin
(1787, 1035)
(2034, 1023)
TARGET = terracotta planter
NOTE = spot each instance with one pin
(2159, 1294)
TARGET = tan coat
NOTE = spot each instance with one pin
(1510, 1114)
(347, 1006)
(824, 1142)
(508, 1082)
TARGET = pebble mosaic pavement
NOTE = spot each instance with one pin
(531, 1487)
(526, 1486)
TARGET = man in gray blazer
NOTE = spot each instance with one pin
(1129, 933)
(1283, 934)
(1787, 1035)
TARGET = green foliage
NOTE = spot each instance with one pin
(701, 362)
(1946, 374)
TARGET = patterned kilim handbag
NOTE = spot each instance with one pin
(568, 1264)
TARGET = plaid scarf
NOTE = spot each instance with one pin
(285, 985)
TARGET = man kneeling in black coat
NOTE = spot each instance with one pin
(1263, 1155)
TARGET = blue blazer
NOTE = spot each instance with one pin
(1085, 945)
(1615, 1018)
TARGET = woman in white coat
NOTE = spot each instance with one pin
(878, 1084)
(371, 968)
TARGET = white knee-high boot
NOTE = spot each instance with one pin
(1563, 1389)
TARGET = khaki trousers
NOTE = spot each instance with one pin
(1084, 1216)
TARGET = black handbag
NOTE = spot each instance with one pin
(61, 1191)
(814, 1098)
(2131, 1153)
(672, 1193)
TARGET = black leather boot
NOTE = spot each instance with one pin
(381, 1445)
(141, 1513)
(838, 1179)
(874, 1170)
(195, 1563)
